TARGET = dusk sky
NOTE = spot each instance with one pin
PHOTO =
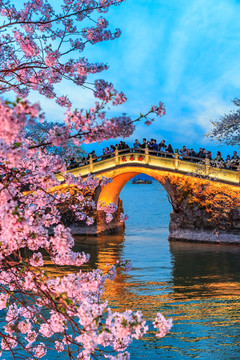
(183, 53)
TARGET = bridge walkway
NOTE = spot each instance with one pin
(156, 160)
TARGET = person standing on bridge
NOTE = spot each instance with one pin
(169, 149)
(162, 146)
(153, 146)
(209, 155)
(235, 156)
(204, 154)
(199, 154)
(112, 150)
(144, 145)
(184, 152)
(219, 162)
(92, 155)
(235, 161)
(228, 162)
(121, 146)
(136, 145)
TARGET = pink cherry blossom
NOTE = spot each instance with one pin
(3, 300)
(162, 325)
(40, 350)
(123, 217)
(52, 58)
(108, 217)
(37, 259)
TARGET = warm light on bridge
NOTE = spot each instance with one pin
(201, 195)
(145, 160)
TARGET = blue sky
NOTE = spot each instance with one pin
(183, 53)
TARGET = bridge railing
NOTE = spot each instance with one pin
(147, 152)
(155, 159)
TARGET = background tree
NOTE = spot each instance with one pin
(226, 130)
(37, 131)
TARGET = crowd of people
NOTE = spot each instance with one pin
(162, 149)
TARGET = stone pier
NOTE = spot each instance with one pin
(204, 211)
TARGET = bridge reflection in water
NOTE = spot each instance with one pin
(197, 270)
(197, 284)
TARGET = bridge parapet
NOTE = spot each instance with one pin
(157, 160)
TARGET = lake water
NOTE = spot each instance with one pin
(196, 284)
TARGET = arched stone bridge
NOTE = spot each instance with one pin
(205, 199)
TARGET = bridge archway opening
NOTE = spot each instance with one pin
(146, 205)
(110, 193)
(148, 209)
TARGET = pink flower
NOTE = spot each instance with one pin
(3, 300)
(25, 326)
(40, 350)
(46, 330)
(37, 260)
(108, 208)
(148, 122)
(162, 324)
(31, 337)
(89, 221)
(127, 265)
(64, 101)
(9, 343)
(109, 217)
(27, 44)
(123, 217)
(59, 346)
(56, 322)
(52, 58)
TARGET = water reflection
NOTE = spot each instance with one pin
(197, 284)
(197, 271)
(102, 249)
(105, 251)
(205, 270)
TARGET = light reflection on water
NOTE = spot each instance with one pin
(197, 284)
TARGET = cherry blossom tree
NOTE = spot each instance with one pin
(63, 314)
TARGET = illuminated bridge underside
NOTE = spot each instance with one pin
(205, 200)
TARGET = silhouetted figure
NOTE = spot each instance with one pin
(169, 149)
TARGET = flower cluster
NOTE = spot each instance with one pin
(163, 325)
(109, 209)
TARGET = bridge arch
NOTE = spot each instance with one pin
(110, 192)
(203, 210)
